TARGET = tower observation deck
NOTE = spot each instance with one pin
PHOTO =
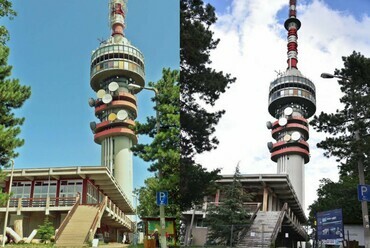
(114, 65)
(292, 100)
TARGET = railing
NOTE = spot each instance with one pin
(42, 202)
(97, 218)
(250, 206)
(279, 222)
(258, 208)
(118, 214)
(68, 217)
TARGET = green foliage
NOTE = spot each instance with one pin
(333, 195)
(46, 230)
(200, 85)
(147, 198)
(12, 96)
(231, 215)
(5, 10)
(164, 151)
(343, 142)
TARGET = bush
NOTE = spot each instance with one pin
(46, 230)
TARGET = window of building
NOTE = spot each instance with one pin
(92, 194)
(200, 222)
(42, 190)
(45, 188)
(21, 189)
(68, 191)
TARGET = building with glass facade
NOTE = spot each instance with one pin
(53, 192)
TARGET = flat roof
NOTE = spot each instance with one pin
(278, 183)
(99, 174)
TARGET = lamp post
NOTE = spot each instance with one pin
(7, 203)
(360, 167)
(161, 207)
(136, 235)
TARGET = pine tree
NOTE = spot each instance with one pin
(46, 231)
(229, 221)
(164, 151)
(12, 96)
(349, 140)
(199, 83)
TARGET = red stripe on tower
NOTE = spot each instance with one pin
(292, 25)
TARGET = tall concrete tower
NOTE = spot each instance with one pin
(292, 100)
(114, 65)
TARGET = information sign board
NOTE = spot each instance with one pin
(330, 226)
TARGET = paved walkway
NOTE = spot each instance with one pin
(113, 245)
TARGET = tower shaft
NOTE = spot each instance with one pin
(292, 100)
(114, 65)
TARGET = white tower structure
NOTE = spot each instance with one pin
(114, 65)
(292, 100)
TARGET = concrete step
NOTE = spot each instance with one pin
(264, 222)
(78, 227)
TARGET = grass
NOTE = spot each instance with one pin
(30, 245)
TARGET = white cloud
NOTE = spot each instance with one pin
(252, 48)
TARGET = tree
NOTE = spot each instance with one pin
(349, 139)
(200, 85)
(333, 195)
(5, 10)
(12, 96)
(164, 151)
(229, 220)
(147, 198)
(46, 231)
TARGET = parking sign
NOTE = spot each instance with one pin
(162, 198)
(363, 192)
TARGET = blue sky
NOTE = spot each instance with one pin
(51, 43)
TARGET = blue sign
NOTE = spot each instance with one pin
(330, 226)
(162, 198)
(363, 192)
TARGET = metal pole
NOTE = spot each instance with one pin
(162, 215)
(263, 235)
(231, 236)
(360, 167)
(7, 203)
(136, 238)
(361, 176)
(365, 215)
(190, 232)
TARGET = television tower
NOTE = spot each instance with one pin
(114, 65)
(292, 100)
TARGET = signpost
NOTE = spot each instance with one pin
(363, 192)
(330, 227)
(162, 198)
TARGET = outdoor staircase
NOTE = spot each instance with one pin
(78, 227)
(260, 233)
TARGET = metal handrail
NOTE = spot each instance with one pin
(68, 217)
(41, 202)
(253, 216)
(98, 216)
(279, 222)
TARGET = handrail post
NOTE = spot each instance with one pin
(19, 206)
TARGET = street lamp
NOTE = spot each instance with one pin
(161, 207)
(7, 203)
(136, 236)
(360, 166)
